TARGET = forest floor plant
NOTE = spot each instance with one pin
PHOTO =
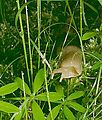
(34, 95)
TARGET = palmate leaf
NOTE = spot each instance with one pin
(9, 88)
(76, 106)
(75, 95)
(8, 108)
(20, 85)
(38, 81)
(68, 114)
(37, 112)
(54, 96)
(55, 112)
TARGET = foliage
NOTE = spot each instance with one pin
(32, 35)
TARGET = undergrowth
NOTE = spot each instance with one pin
(33, 34)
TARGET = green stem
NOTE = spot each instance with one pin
(81, 12)
(39, 26)
(71, 14)
(47, 92)
(26, 111)
(23, 40)
(29, 43)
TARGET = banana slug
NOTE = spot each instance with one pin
(70, 64)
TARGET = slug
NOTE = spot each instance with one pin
(70, 64)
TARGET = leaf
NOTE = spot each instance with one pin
(53, 0)
(68, 114)
(100, 1)
(8, 108)
(9, 88)
(19, 12)
(37, 112)
(91, 7)
(55, 112)
(97, 65)
(20, 85)
(59, 89)
(96, 55)
(19, 115)
(76, 106)
(88, 35)
(54, 96)
(75, 95)
(38, 81)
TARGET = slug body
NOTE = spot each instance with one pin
(70, 64)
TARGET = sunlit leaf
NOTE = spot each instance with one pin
(18, 116)
(96, 55)
(8, 108)
(97, 65)
(38, 81)
(9, 88)
(75, 95)
(21, 113)
(68, 114)
(55, 112)
(59, 89)
(37, 112)
(76, 106)
(100, 1)
(88, 35)
(54, 96)
(20, 85)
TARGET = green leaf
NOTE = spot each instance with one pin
(96, 55)
(97, 65)
(88, 35)
(55, 112)
(76, 106)
(59, 89)
(53, 0)
(75, 95)
(68, 114)
(9, 88)
(91, 7)
(19, 12)
(38, 81)
(20, 85)
(20, 114)
(37, 112)
(54, 96)
(8, 108)
(100, 1)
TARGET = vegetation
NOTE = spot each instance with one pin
(32, 36)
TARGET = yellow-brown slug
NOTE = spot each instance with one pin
(70, 64)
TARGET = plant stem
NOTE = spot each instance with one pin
(47, 92)
(81, 12)
(23, 40)
(29, 43)
(39, 26)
